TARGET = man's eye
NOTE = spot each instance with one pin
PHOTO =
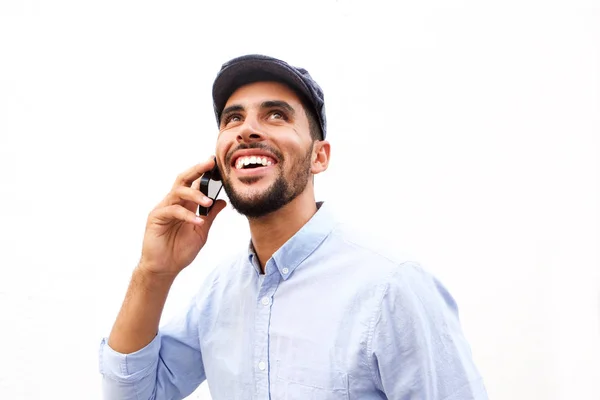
(233, 118)
(276, 115)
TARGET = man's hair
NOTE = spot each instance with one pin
(313, 121)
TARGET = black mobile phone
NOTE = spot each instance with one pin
(210, 185)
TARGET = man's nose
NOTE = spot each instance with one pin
(250, 131)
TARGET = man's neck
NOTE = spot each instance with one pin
(271, 232)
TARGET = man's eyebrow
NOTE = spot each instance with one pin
(278, 104)
(231, 109)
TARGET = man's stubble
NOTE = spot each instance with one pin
(280, 193)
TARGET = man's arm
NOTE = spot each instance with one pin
(137, 322)
(170, 366)
(139, 362)
(417, 348)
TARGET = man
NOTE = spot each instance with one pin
(309, 310)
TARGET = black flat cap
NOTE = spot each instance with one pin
(254, 68)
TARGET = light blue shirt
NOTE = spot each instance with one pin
(332, 318)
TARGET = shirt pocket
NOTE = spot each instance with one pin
(307, 383)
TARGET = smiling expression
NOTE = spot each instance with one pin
(264, 148)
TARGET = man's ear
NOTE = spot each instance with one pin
(320, 156)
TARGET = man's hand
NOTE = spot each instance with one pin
(174, 233)
(174, 236)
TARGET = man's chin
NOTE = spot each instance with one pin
(256, 204)
(258, 199)
(253, 209)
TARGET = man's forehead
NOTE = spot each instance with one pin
(256, 93)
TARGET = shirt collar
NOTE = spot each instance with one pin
(289, 256)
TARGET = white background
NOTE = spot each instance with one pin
(465, 132)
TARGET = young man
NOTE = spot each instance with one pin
(309, 310)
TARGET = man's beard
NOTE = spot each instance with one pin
(280, 193)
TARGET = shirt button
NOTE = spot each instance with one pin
(285, 271)
(265, 300)
(262, 366)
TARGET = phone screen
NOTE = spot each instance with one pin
(214, 187)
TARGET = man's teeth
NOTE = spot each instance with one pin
(244, 161)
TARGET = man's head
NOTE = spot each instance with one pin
(270, 136)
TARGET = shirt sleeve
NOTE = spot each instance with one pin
(169, 367)
(417, 347)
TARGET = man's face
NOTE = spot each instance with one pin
(264, 148)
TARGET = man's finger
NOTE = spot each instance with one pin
(182, 195)
(196, 184)
(177, 212)
(188, 177)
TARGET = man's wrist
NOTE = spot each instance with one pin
(149, 278)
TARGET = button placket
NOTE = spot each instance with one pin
(263, 303)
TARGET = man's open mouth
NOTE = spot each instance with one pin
(250, 162)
